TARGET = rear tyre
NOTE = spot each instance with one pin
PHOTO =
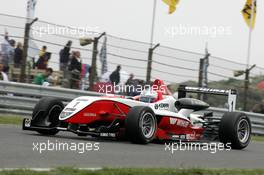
(235, 129)
(141, 125)
(46, 114)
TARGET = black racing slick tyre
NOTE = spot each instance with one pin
(235, 129)
(141, 125)
(46, 114)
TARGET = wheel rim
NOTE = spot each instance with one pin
(54, 111)
(243, 130)
(148, 125)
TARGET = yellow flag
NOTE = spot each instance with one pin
(172, 5)
(247, 12)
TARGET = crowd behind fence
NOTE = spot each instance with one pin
(170, 64)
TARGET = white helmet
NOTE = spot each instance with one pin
(148, 96)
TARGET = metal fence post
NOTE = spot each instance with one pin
(149, 68)
(25, 51)
(93, 75)
(246, 86)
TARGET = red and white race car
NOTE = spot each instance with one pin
(153, 115)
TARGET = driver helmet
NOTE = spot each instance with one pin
(148, 96)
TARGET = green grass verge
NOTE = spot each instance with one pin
(10, 119)
(137, 171)
(258, 138)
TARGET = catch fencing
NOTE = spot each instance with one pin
(173, 65)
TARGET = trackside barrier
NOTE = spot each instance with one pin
(20, 99)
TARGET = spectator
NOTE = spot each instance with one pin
(75, 61)
(75, 68)
(89, 73)
(44, 57)
(258, 108)
(18, 55)
(131, 86)
(7, 48)
(3, 76)
(41, 78)
(130, 79)
(115, 76)
(12, 52)
(65, 57)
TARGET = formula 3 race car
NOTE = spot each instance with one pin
(153, 115)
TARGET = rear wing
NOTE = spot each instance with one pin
(231, 94)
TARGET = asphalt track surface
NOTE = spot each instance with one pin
(16, 151)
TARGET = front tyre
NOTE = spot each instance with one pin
(141, 125)
(46, 114)
(235, 128)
